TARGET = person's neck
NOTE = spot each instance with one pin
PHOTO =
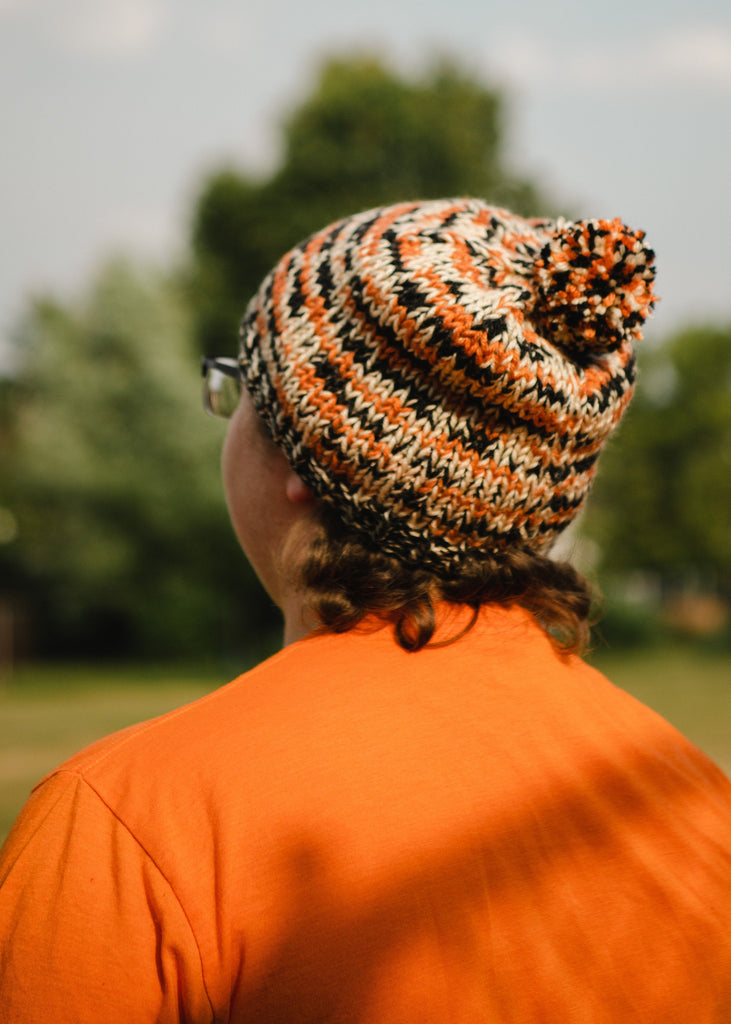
(299, 620)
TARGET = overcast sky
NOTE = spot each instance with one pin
(113, 111)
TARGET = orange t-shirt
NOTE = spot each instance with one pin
(481, 832)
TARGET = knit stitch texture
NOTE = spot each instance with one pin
(445, 373)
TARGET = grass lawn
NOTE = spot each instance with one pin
(49, 712)
(688, 687)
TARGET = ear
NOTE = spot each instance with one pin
(297, 491)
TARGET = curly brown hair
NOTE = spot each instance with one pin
(345, 580)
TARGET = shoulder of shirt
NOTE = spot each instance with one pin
(300, 668)
(141, 734)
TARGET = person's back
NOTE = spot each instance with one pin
(426, 807)
(487, 831)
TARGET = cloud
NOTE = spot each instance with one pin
(112, 28)
(107, 29)
(224, 29)
(694, 57)
(700, 55)
(148, 232)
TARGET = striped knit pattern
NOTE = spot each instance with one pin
(445, 373)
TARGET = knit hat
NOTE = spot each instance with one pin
(444, 374)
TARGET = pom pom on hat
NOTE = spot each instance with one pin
(594, 285)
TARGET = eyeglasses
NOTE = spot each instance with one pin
(221, 386)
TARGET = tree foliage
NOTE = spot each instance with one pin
(363, 138)
(111, 471)
(662, 502)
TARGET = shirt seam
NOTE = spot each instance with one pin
(138, 842)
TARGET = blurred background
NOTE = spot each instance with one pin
(159, 156)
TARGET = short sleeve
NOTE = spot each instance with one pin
(90, 930)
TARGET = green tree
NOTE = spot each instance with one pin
(365, 137)
(662, 501)
(111, 470)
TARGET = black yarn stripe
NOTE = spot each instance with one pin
(443, 347)
(284, 432)
(492, 327)
(395, 536)
(470, 366)
(511, 418)
(483, 442)
(421, 396)
(412, 501)
(437, 470)
(420, 390)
